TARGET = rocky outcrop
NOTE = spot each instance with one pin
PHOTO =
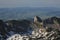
(51, 20)
(37, 19)
(38, 22)
(28, 30)
(3, 30)
(12, 27)
(19, 26)
(54, 34)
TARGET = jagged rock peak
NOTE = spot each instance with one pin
(37, 19)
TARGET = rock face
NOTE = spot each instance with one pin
(19, 26)
(51, 20)
(3, 30)
(37, 19)
(12, 27)
(38, 22)
(27, 30)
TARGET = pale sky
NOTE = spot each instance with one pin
(29, 3)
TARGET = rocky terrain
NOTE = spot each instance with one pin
(38, 29)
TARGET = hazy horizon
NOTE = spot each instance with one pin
(29, 3)
(16, 9)
(24, 12)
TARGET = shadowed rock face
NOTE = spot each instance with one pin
(3, 30)
(2, 27)
(15, 26)
(18, 26)
(51, 20)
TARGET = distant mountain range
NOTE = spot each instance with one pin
(28, 12)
